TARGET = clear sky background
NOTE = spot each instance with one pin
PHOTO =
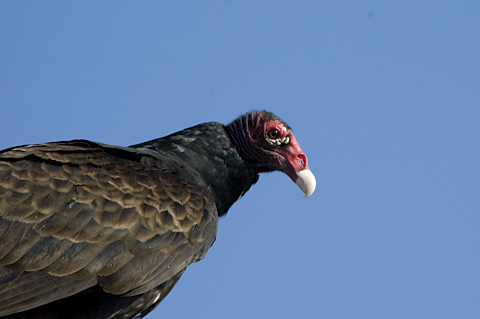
(384, 98)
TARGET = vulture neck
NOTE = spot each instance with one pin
(205, 155)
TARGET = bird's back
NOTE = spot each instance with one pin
(95, 222)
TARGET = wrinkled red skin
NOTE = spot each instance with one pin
(294, 155)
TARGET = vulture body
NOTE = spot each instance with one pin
(89, 230)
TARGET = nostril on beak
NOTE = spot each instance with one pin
(303, 159)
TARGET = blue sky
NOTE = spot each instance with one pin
(383, 97)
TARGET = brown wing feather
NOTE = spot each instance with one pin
(76, 215)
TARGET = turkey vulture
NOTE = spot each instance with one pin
(89, 230)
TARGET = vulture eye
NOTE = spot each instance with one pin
(273, 133)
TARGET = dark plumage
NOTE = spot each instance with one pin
(89, 230)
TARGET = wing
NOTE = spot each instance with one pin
(77, 214)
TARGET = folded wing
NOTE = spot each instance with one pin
(76, 214)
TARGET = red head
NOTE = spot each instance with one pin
(269, 145)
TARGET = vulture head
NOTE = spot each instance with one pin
(269, 145)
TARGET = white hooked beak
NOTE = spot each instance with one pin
(306, 181)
